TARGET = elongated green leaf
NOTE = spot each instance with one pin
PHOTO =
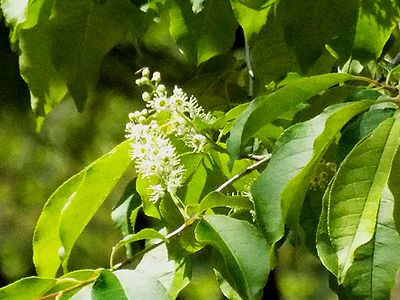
(216, 199)
(244, 250)
(27, 288)
(71, 207)
(73, 279)
(265, 109)
(373, 271)
(279, 191)
(394, 186)
(196, 174)
(173, 275)
(125, 213)
(139, 286)
(46, 86)
(205, 34)
(357, 191)
(326, 251)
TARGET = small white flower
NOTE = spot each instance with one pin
(196, 141)
(159, 103)
(157, 193)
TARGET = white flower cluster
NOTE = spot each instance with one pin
(154, 154)
(148, 130)
(178, 110)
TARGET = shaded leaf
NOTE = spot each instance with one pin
(71, 207)
(81, 33)
(325, 249)
(279, 191)
(357, 191)
(309, 25)
(244, 250)
(106, 287)
(371, 26)
(251, 16)
(205, 34)
(265, 109)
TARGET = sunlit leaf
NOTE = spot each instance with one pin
(71, 207)
(73, 279)
(357, 191)
(139, 286)
(375, 264)
(244, 250)
(27, 288)
(144, 234)
(279, 191)
(265, 109)
(216, 199)
(173, 275)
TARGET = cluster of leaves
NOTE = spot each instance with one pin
(237, 199)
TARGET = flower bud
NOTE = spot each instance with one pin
(156, 77)
(146, 96)
(146, 72)
(161, 88)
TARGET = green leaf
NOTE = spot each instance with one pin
(394, 186)
(107, 287)
(326, 251)
(125, 213)
(310, 25)
(251, 16)
(271, 57)
(362, 127)
(196, 177)
(216, 199)
(244, 250)
(67, 282)
(173, 275)
(357, 191)
(139, 286)
(144, 234)
(27, 288)
(265, 109)
(71, 207)
(280, 190)
(376, 263)
(46, 86)
(205, 34)
(81, 33)
(367, 33)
